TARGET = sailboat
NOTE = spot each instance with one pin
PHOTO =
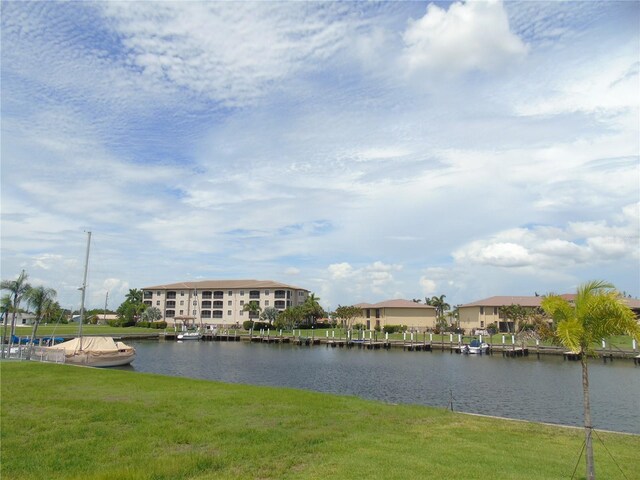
(92, 351)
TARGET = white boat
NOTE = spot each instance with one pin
(190, 336)
(94, 352)
(90, 351)
(477, 347)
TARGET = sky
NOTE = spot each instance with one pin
(363, 151)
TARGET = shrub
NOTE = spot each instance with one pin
(394, 328)
(159, 325)
(247, 324)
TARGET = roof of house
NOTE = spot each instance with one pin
(533, 301)
(396, 303)
(223, 284)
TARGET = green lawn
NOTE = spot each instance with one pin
(65, 422)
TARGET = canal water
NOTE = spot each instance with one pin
(547, 389)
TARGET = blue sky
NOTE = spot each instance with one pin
(364, 151)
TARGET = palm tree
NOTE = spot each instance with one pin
(597, 312)
(40, 300)
(439, 303)
(312, 308)
(134, 296)
(17, 288)
(254, 310)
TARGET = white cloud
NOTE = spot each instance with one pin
(468, 36)
(579, 243)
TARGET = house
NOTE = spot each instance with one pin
(219, 302)
(480, 314)
(415, 316)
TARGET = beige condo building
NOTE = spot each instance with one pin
(416, 316)
(219, 302)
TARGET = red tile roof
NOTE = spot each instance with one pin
(223, 284)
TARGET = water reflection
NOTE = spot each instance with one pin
(547, 389)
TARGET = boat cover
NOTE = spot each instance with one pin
(95, 345)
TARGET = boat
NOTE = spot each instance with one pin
(190, 335)
(477, 347)
(95, 352)
(90, 351)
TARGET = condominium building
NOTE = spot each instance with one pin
(416, 316)
(220, 302)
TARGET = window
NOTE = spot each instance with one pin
(266, 292)
(206, 304)
(300, 293)
(181, 312)
(241, 292)
(158, 293)
(368, 313)
(279, 304)
(157, 302)
(481, 310)
(230, 293)
(171, 295)
(254, 294)
(218, 294)
(241, 313)
(377, 313)
(181, 302)
(217, 314)
(148, 295)
(194, 312)
(229, 303)
(170, 313)
(206, 314)
(229, 312)
(241, 302)
(195, 302)
(171, 304)
(266, 303)
(279, 293)
(147, 302)
(481, 324)
(182, 293)
(495, 310)
(206, 295)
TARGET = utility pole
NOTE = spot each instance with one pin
(104, 316)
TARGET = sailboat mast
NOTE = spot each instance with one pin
(84, 287)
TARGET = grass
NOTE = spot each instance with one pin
(65, 422)
(72, 329)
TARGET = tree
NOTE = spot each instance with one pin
(312, 309)
(151, 314)
(269, 314)
(517, 314)
(254, 310)
(597, 312)
(347, 314)
(40, 300)
(134, 296)
(440, 304)
(17, 288)
(290, 318)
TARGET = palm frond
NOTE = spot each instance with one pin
(571, 334)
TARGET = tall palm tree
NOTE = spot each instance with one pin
(312, 308)
(134, 296)
(597, 312)
(17, 288)
(439, 303)
(254, 310)
(40, 300)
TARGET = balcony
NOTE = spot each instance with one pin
(206, 295)
(217, 304)
(171, 304)
(170, 313)
(218, 294)
(171, 295)
(206, 314)
(217, 314)
(279, 304)
(255, 294)
(280, 294)
(148, 295)
(206, 304)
